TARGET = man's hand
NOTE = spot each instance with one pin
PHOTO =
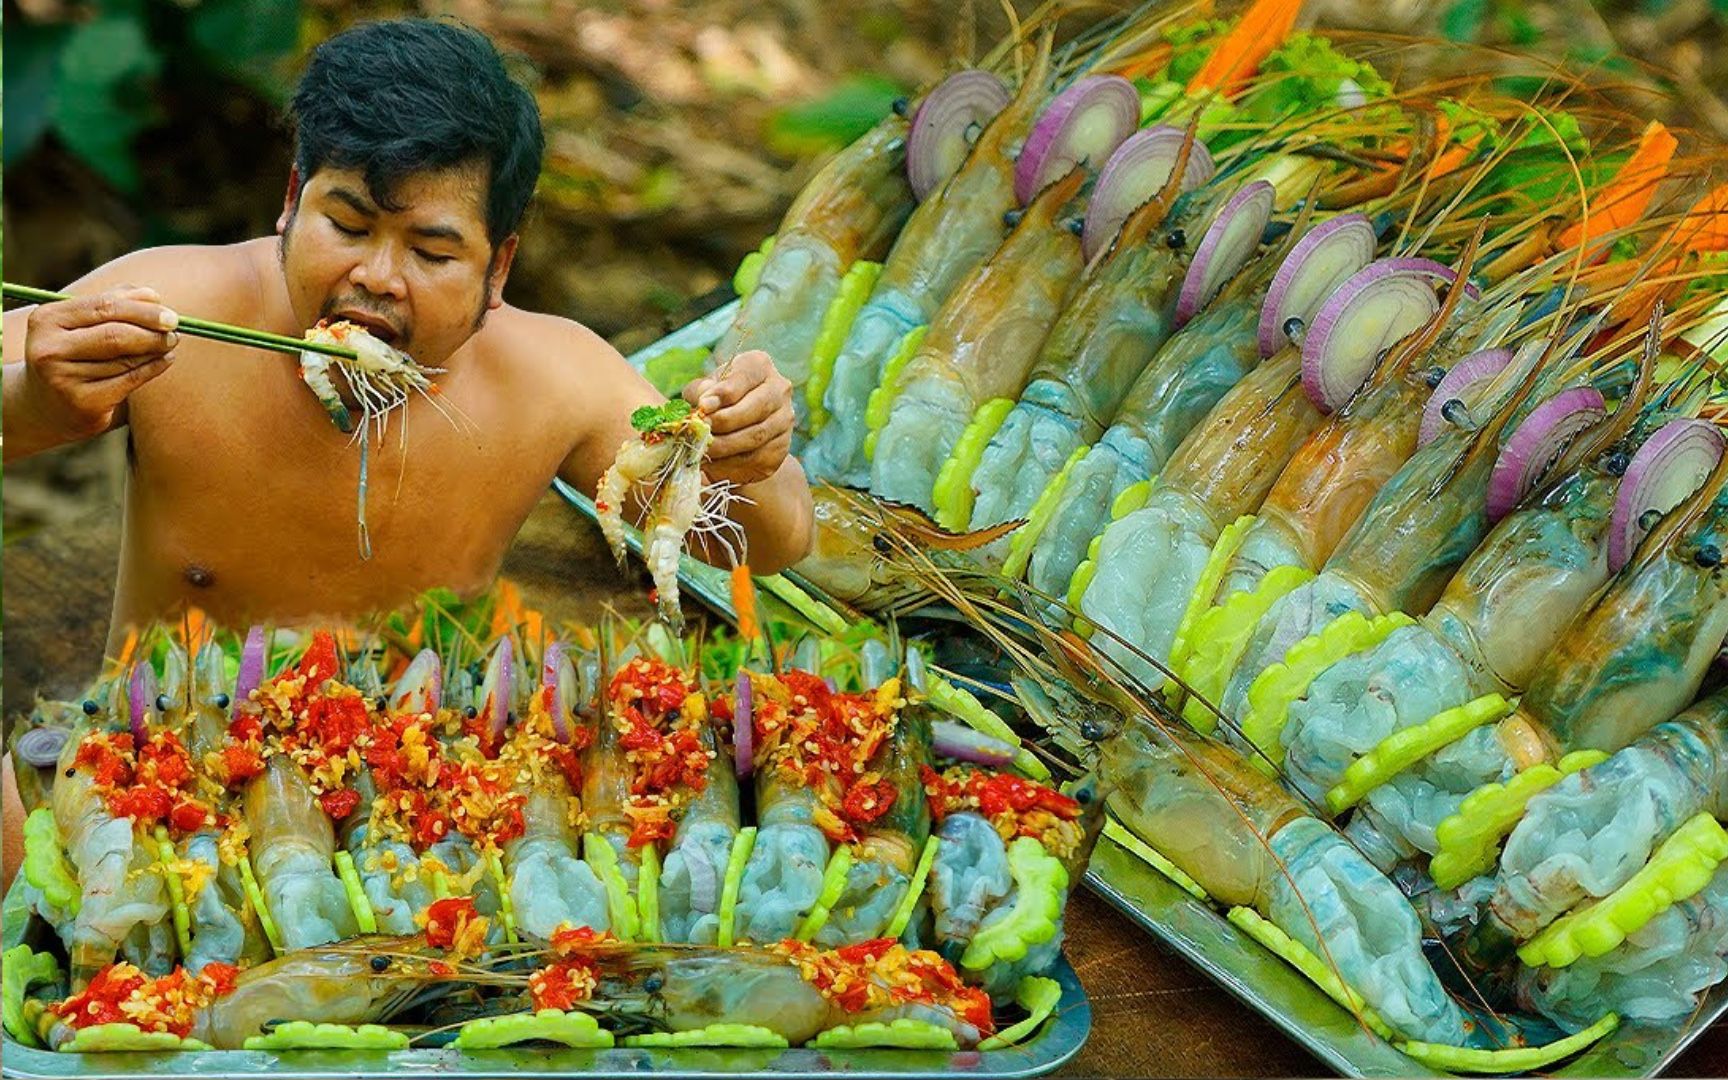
(750, 412)
(84, 356)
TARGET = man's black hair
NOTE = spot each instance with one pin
(393, 98)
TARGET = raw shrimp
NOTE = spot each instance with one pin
(695, 865)
(849, 211)
(549, 885)
(367, 980)
(380, 379)
(1656, 976)
(292, 844)
(981, 345)
(793, 990)
(664, 459)
(1122, 312)
(888, 848)
(1149, 561)
(1588, 834)
(121, 891)
(948, 235)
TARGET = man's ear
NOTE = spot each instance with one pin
(501, 271)
(289, 200)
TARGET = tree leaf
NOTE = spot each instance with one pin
(247, 38)
(835, 120)
(32, 53)
(92, 114)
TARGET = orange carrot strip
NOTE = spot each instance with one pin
(127, 649)
(1628, 195)
(1262, 28)
(744, 601)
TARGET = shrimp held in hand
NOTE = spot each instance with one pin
(664, 460)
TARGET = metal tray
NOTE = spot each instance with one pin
(1241, 965)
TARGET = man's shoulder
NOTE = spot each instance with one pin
(551, 348)
(213, 280)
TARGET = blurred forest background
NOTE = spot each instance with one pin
(677, 131)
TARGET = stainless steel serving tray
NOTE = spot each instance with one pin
(1247, 970)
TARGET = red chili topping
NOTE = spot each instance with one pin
(445, 917)
(340, 803)
(1014, 805)
(825, 741)
(120, 993)
(562, 984)
(152, 784)
(883, 973)
(657, 715)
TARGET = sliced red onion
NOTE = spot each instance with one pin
(1229, 241)
(946, 125)
(140, 699)
(40, 746)
(495, 688)
(744, 730)
(558, 673)
(1136, 172)
(951, 739)
(1321, 261)
(251, 674)
(1540, 439)
(1667, 469)
(419, 689)
(1468, 382)
(1377, 307)
(1082, 125)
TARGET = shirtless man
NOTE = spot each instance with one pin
(415, 157)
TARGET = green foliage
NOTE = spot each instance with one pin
(1307, 74)
(94, 84)
(835, 120)
(649, 417)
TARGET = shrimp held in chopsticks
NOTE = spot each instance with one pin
(664, 460)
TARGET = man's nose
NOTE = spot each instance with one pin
(380, 273)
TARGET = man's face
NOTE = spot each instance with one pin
(421, 277)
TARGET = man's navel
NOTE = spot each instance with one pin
(198, 577)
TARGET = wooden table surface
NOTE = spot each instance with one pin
(1154, 1015)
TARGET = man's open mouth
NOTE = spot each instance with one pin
(372, 324)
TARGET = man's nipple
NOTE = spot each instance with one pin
(198, 577)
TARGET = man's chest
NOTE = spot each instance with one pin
(230, 470)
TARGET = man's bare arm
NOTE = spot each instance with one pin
(70, 366)
(777, 521)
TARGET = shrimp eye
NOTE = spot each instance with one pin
(1433, 376)
(380, 963)
(1708, 556)
(471, 712)
(880, 543)
(72, 771)
(1176, 239)
(383, 703)
(161, 702)
(1648, 519)
(1077, 226)
(1293, 327)
(1012, 217)
(1617, 463)
(221, 701)
(1091, 730)
(654, 983)
(91, 708)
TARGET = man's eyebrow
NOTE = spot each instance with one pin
(439, 232)
(355, 202)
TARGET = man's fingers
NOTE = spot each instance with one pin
(102, 370)
(751, 439)
(112, 391)
(139, 307)
(753, 408)
(111, 341)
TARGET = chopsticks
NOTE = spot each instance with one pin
(214, 331)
